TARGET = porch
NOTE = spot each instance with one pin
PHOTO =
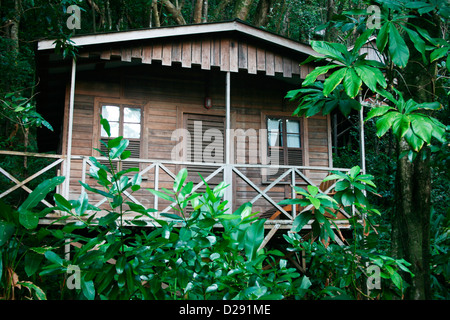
(159, 174)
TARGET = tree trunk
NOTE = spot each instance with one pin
(220, 9)
(175, 12)
(331, 33)
(411, 223)
(198, 9)
(14, 28)
(262, 13)
(242, 9)
(205, 11)
(411, 220)
(155, 21)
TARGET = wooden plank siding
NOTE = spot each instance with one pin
(167, 95)
(226, 53)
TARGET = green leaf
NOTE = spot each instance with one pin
(371, 76)
(414, 142)
(54, 258)
(301, 220)
(397, 47)
(422, 129)
(419, 44)
(315, 202)
(385, 122)
(116, 152)
(28, 219)
(98, 191)
(355, 171)
(333, 80)
(40, 193)
(106, 126)
(335, 51)
(254, 236)
(397, 280)
(313, 190)
(114, 143)
(377, 111)
(40, 294)
(400, 125)
(171, 216)
(179, 180)
(88, 289)
(62, 203)
(120, 264)
(438, 53)
(383, 36)
(362, 40)
(312, 76)
(6, 231)
(32, 262)
(161, 195)
(352, 83)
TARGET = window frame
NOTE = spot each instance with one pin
(266, 178)
(122, 105)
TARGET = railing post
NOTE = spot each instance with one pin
(228, 170)
(67, 165)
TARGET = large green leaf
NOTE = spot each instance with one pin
(397, 47)
(301, 220)
(422, 128)
(179, 180)
(88, 289)
(6, 231)
(40, 193)
(383, 36)
(116, 152)
(352, 83)
(53, 257)
(335, 51)
(333, 80)
(384, 123)
(377, 111)
(312, 76)
(371, 76)
(254, 236)
(400, 125)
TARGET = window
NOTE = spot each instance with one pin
(124, 121)
(284, 140)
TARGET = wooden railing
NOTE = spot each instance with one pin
(280, 217)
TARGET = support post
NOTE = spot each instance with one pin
(69, 145)
(69, 131)
(362, 145)
(228, 170)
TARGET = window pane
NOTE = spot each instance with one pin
(293, 141)
(274, 124)
(132, 130)
(114, 128)
(274, 139)
(132, 115)
(293, 126)
(111, 113)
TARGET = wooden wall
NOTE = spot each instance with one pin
(166, 94)
(226, 53)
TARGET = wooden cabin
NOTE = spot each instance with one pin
(206, 97)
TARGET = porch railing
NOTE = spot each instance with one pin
(153, 169)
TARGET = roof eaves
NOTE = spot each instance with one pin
(173, 31)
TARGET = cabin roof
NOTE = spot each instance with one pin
(237, 26)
